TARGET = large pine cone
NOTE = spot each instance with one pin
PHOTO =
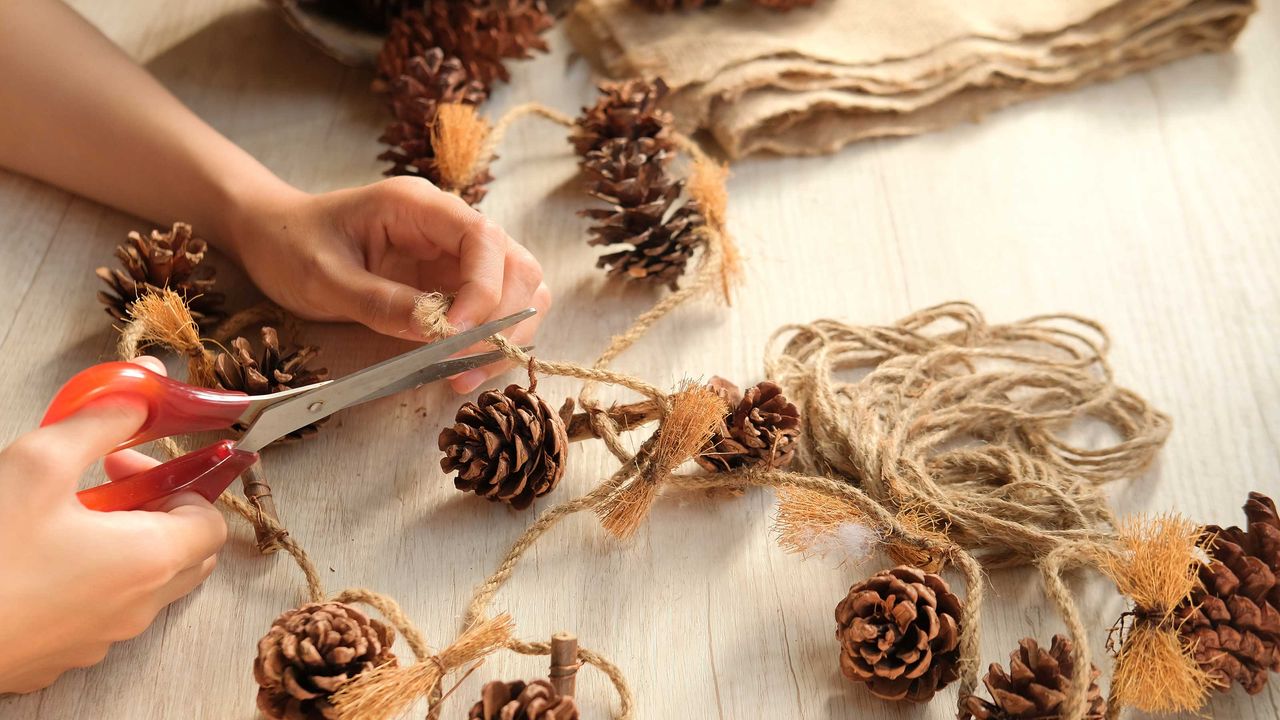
(627, 110)
(160, 260)
(630, 175)
(508, 446)
(1035, 686)
(428, 81)
(273, 370)
(760, 429)
(1233, 619)
(310, 652)
(899, 633)
(518, 700)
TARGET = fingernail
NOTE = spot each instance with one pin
(469, 380)
(462, 325)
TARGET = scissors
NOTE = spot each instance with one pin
(174, 408)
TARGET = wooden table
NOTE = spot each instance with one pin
(1150, 203)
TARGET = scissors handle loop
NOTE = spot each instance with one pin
(173, 408)
(208, 471)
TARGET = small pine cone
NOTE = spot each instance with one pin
(899, 633)
(785, 5)
(428, 81)
(630, 176)
(760, 429)
(310, 652)
(274, 370)
(518, 700)
(1233, 619)
(1035, 686)
(160, 260)
(627, 110)
(508, 446)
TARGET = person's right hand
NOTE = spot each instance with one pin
(74, 580)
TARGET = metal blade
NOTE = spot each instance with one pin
(438, 371)
(289, 415)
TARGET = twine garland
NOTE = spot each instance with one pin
(948, 450)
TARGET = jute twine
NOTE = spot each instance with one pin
(952, 449)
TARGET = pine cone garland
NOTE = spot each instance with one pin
(899, 633)
(160, 260)
(428, 81)
(626, 110)
(508, 446)
(1233, 619)
(760, 429)
(630, 175)
(518, 700)
(310, 652)
(1035, 686)
(274, 370)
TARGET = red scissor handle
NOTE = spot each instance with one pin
(173, 408)
(208, 471)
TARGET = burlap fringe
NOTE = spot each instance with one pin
(162, 319)
(460, 138)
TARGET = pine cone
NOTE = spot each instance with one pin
(760, 429)
(626, 110)
(309, 653)
(662, 6)
(629, 174)
(785, 5)
(507, 446)
(428, 81)
(1035, 687)
(518, 700)
(899, 632)
(272, 371)
(161, 260)
(1233, 619)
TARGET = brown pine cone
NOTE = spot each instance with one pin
(429, 80)
(310, 652)
(1035, 686)
(518, 700)
(899, 633)
(627, 110)
(671, 5)
(161, 260)
(760, 429)
(274, 370)
(508, 446)
(630, 176)
(785, 5)
(1233, 619)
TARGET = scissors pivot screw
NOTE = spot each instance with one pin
(316, 406)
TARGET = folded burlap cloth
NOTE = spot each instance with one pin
(811, 80)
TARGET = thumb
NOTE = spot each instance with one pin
(55, 456)
(383, 305)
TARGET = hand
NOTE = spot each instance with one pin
(73, 580)
(365, 254)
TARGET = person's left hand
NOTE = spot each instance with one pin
(365, 254)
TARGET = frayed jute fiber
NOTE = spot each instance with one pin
(947, 438)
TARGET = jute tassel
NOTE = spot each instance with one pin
(430, 312)
(707, 188)
(695, 411)
(460, 138)
(1155, 564)
(162, 318)
(810, 522)
(387, 691)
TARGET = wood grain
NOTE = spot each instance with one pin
(1150, 203)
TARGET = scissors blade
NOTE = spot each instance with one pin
(299, 411)
(437, 371)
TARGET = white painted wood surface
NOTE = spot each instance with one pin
(1151, 204)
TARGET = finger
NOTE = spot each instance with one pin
(120, 465)
(426, 219)
(192, 529)
(383, 305)
(154, 364)
(521, 334)
(184, 582)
